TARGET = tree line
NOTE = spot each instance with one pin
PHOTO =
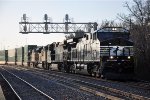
(138, 22)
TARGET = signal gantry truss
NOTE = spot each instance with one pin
(48, 27)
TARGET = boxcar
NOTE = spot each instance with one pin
(20, 55)
(12, 57)
(3, 56)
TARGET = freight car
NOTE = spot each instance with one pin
(3, 56)
(12, 57)
(17, 56)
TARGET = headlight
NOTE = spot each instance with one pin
(129, 57)
(111, 57)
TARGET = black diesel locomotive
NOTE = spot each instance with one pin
(107, 52)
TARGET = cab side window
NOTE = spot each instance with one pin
(87, 37)
(94, 36)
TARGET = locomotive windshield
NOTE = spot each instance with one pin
(121, 51)
(111, 32)
(116, 51)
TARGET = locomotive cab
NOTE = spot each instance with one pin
(116, 52)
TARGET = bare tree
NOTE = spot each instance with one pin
(111, 23)
(139, 20)
(139, 13)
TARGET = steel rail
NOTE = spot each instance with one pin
(11, 86)
(41, 92)
(116, 91)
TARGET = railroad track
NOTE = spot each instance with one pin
(135, 84)
(139, 84)
(132, 83)
(8, 90)
(93, 87)
(69, 94)
(69, 83)
(26, 90)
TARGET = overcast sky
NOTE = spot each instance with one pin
(11, 12)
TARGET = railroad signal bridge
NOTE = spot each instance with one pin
(47, 26)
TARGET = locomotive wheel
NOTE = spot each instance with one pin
(103, 71)
(60, 67)
(63, 69)
(31, 65)
(95, 71)
(66, 68)
(36, 64)
(94, 74)
(72, 70)
(48, 66)
(44, 65)
(98, 75)
(102, 76)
